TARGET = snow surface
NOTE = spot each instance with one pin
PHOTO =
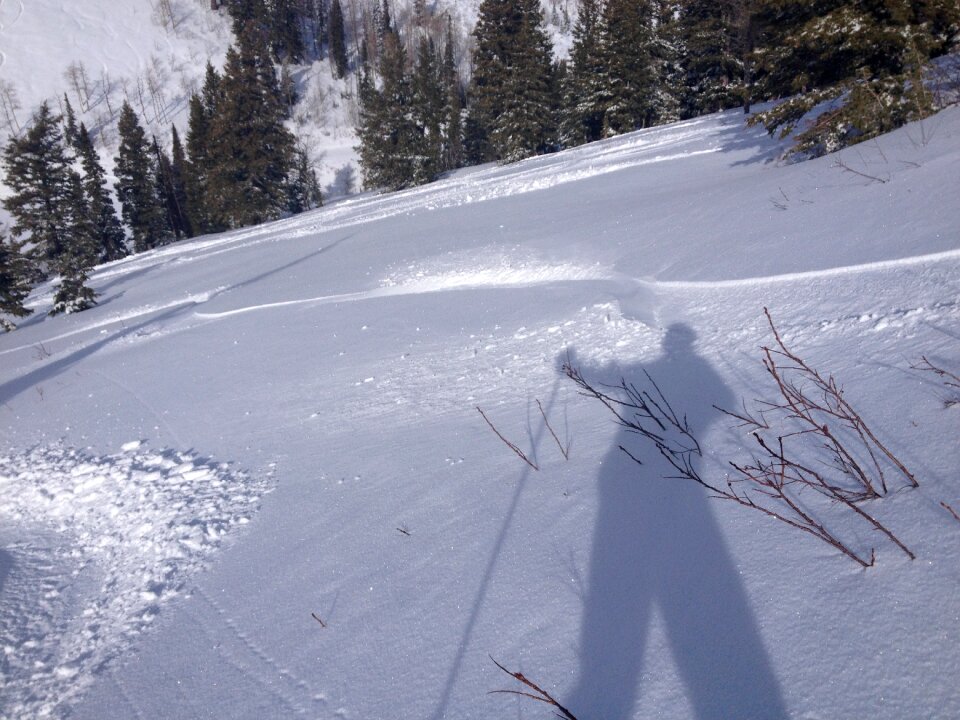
(337, 359)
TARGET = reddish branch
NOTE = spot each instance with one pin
(771, 482)
(950, 510)
(506, 442)
(824, 404)
(565, 451)
(537, 693)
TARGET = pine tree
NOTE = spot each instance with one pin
(203, 108)
(79, 255)
(303, 191)
(513, 92)
(106, 229)
(868, 54)
(710, 32)
(14, 282)
(337, 39)
(250, 149)
(427, 99)
(174, 215)
(528, 125)
(136, 185)
(70, 131)
(452, 157)
(178, 169)
(286, 35)
(391, 149)
(37, 173)
(630, 68)
(585, 95)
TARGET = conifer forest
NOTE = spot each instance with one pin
(430, 101)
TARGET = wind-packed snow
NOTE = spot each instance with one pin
(338, 359)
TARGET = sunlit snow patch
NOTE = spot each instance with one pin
(96, 546)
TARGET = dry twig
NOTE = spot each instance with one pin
(537, 693)
(509, 444)
(565, 451)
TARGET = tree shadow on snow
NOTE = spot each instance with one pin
(657, 545)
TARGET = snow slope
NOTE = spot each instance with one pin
(337, 359)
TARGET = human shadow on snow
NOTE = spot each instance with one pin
(656, 545)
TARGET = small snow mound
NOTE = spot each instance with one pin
(500, 271)
(116, 536)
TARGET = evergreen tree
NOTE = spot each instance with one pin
(527, 125)
(178, 169)
(453, 108)
(249, 15)
(427, 99)
(79, 256)
(585, 95)
(105, 227)
(630, 67)
(70, 131)
(869, 53)
(286, 35)
(250, 150)
(197, 168)
(37, 172)
(14, 282)
(391, 149)
(512, 94)
(303, 188)
(710, 33)
(337, 39)
(174, 215)
(136, 185)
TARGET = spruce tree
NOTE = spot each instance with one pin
(106, 229)
(79, 256)
(513, 92)
(870, 55)
(585, 96)
(174, 214)
(14, 282)
(250, 149)
(203, 107)
(70, 131)
(391, 143)
(713, 68)
(527, 125)
(303, 189)
(630, 67)
(452, 157)
(286, 35)
(37, 170)
(427, 99)
(136, 188)
(178, 170)
(337, 39)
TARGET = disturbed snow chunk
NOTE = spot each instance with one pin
(141, 521)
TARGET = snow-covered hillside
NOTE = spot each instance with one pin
(153, 54)
(262, 430)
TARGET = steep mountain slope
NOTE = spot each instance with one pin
(327, 370)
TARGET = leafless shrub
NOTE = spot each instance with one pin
(164, 15)
(79, 80)
(9, 104)
(535, 693)
(949, 379)
(786, 431)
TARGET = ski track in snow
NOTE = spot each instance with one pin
(110, 540)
